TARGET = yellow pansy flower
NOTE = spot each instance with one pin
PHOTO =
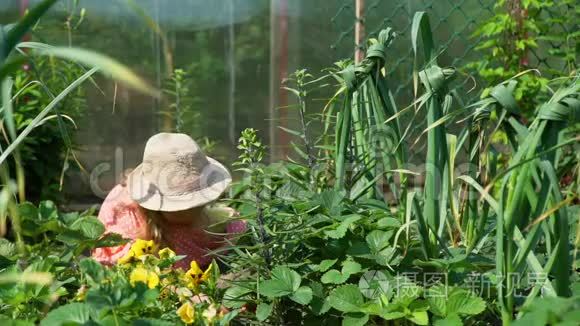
(194, 269)
(141, 274)
(139, 249)
(143, 247)
(195, 275)
(166, 253)
(186, 313)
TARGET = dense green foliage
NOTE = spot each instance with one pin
(520, 34)
(49, 152)
(483, 233)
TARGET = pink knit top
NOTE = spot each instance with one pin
(120, 214)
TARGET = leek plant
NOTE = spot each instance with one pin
(367, 149)
(529, 202)
(528, 205)
(435, 80)
(525, 198)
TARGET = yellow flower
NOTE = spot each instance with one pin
(186, 313)
(166, 253)
(195, 275)
(141, 274)
(194, 269)
(143, 247)
(207, 273)
(127, 258)
(139, 249)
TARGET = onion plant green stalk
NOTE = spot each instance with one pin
(528, 208)
(367, 149)
(435, 80)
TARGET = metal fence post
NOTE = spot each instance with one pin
(359, 30)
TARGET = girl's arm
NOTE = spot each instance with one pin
(120, 214)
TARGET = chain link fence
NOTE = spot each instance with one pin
(453, 23)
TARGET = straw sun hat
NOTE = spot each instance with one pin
(176, 175)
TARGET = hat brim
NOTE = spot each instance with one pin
(215, 179)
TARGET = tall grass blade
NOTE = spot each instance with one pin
(34, 123)
(106, 65)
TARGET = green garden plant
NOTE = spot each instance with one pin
(48, 152)
(322, 240)
(516, 33)
(52, 274)
(360, 106)
(183, 108)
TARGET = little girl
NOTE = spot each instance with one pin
(166, 199)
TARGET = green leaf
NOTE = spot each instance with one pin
(28, 211)
(5, 321)
(326, 264)
(419, 317)
(355, 319)
(77, 312)
(378, 240)
(89, 226)
(111, 240)
(37, 120)
(34, 228)
(108, 320)
(408, 292)
(453, 300)
(302, 296)
(7, 248)
(388, 223)
(350, 267)
(333, 277)
(341, 229)
(13, 36)
(47, 210)
(105, 64)
(236, 296)
(263, 311)
(466, 305)
(392, 315)
(292, 132)
(284, 282)
(151, 322)
(451, 320)
(346, 298)
(71, 237)
(330, 200)
(92, 269)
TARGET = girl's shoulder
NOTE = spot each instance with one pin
(119, 195)
(119, 209)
